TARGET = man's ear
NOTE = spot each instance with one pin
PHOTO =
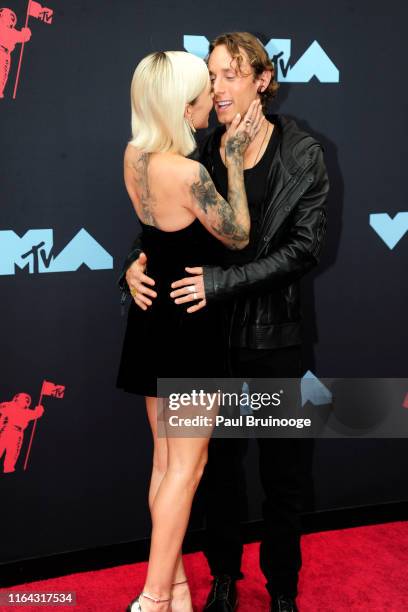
(263, 80)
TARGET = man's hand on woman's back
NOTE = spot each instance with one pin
(137, 281)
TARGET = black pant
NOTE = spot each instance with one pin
(284, 466)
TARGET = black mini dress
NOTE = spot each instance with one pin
(165, 341)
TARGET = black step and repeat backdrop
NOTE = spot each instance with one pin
(77, 476)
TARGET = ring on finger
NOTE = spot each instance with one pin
(133, 292)
(191, 288)
(195, 295)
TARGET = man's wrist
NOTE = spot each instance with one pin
(234, 160)
(208, 281)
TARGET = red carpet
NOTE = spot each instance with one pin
(358, 569)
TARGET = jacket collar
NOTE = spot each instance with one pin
(293, 142)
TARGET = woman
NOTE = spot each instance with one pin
(183, 219)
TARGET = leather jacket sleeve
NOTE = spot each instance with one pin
(133, 254)
(296, 255)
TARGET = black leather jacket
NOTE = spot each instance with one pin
(264, 294)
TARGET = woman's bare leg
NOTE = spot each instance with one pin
(170, 514)
(181, 597)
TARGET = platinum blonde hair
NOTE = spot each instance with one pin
(162, 84)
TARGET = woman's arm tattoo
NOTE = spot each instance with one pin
(227, 222)
(204, 190)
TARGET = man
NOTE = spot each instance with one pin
(287, 186)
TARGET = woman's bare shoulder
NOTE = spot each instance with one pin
(174, 168)
(132, 156)
(185, 167)
(167, 168)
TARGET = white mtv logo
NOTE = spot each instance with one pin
(313, 63)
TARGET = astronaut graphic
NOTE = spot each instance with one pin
(9, 37)
(14, 418)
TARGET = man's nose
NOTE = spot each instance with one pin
(218, 87)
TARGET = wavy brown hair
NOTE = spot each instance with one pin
(257, 57)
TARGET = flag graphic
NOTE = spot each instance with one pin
(40, 12)
(49, 388)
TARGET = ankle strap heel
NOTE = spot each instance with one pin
(155, 599)
(137, 605)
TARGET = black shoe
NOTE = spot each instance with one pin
(283, 603)
(223, 595)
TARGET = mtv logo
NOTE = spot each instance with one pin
(34, 251)
(313, 63)
(390, 230)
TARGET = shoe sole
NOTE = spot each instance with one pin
(234, 609)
